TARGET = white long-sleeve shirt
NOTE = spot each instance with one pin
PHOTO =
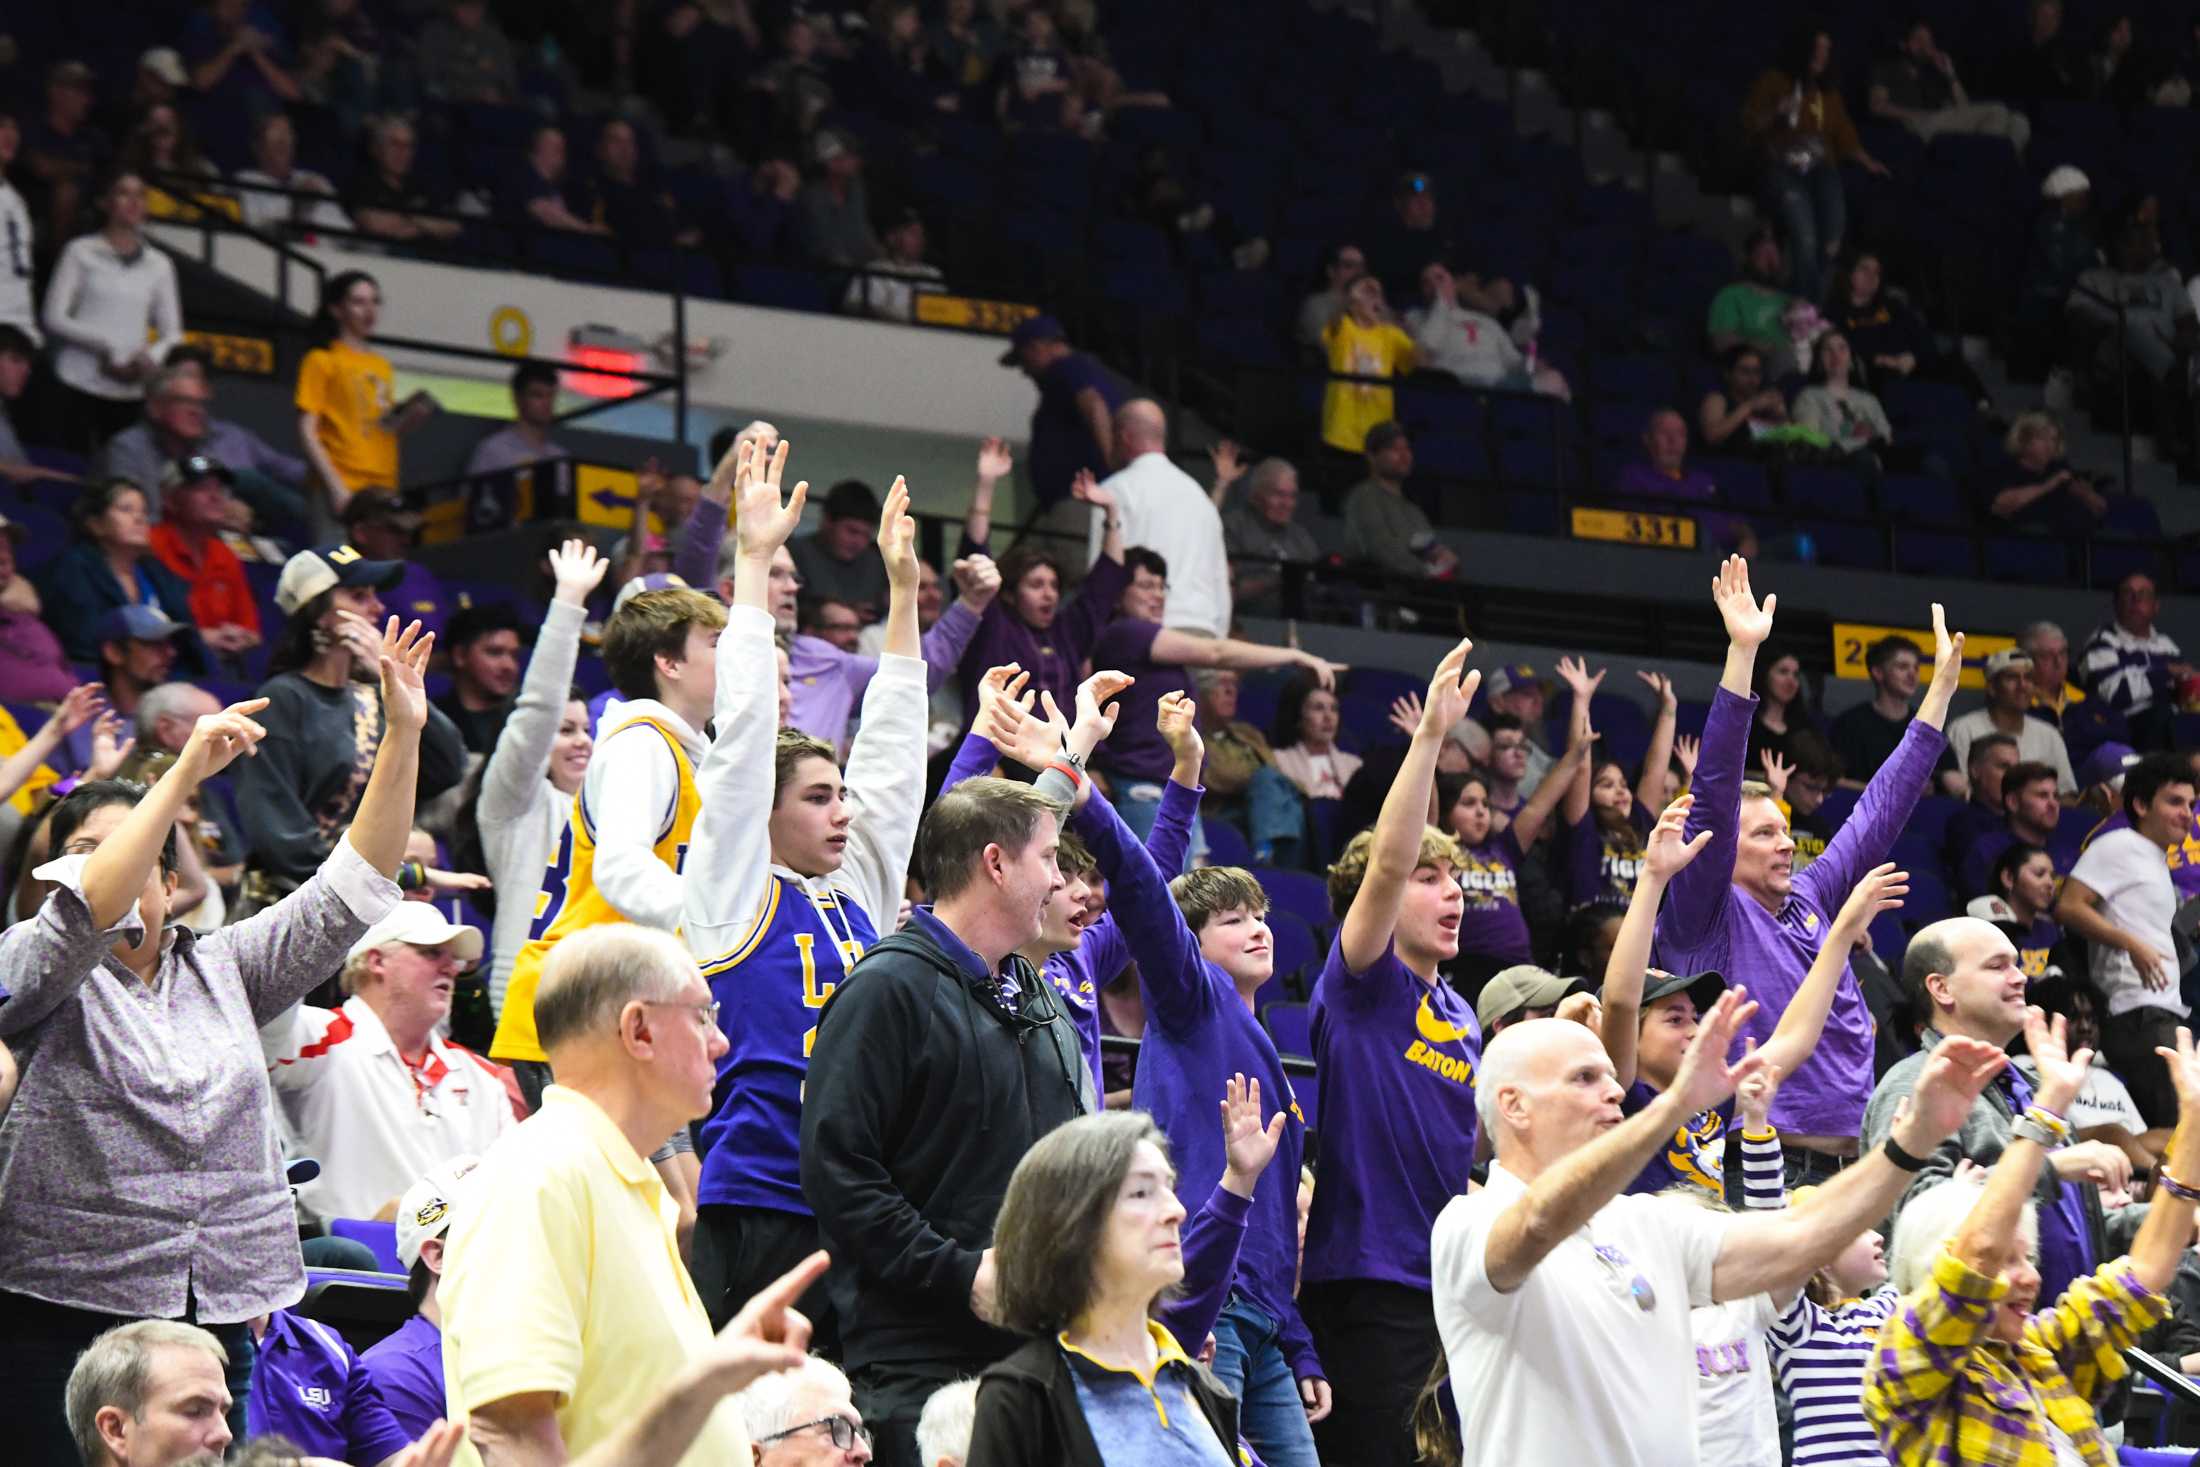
(521, 813)
(100, 308)
(1164, 509)
(632, 781)
(16, 306)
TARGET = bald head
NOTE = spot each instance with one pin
(168, 713)
(1141, 426)
(1964, 976)
(1546, 1088)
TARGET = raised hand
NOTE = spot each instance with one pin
(1248, 1145)
(977, 582)
(1947, 653)
(1881, 890)
(109, 747)
(1405, 714)
(404, 661)
(1665, 852)
(1228, 459)
(1585, 1009)
(218, 739)
(1953, 1079)
(577, 569)
(1747, 623)
(1753, 1098)
(1450, 690)
(1177, 717)
(2184, 1074)
(994, 460)
(1705, 1078)
(76, 707)
(1085, 489)
(1000, 684)
(1325, 672)
(1096, 709)
(363, 638)
(1575, 673)
(897, 538)
(456, 881)
(1659, 683)
(436, 1447)
(2061, 1073)
(1687, 748)
(762, 522)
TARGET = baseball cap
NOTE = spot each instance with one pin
(191, 468)
(138, 624)
(1522, 986)
(69, 74)
(2064, 180)
(1990, 909)
(420, 924)
(424, 1211)
(1703, 989)
(654, 581)
(2107, 763)
(373, 506)
(1505, 679)
(310, 572)
(165, 63)
(1028, 330)
(2008, 659)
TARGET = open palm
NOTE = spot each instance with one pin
(404, 658)
(762, 521)
(1747, 623)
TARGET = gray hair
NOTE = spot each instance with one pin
(169, 700)
(163, 382)
(1505, 1071)
(2032, 634)
(767, 1406)
(943, 1431)
(1268, 473)
(116, 1370)
(1929, 1219)
(593, 974)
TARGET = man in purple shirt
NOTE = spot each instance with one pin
(308, 1387)
(1741, 909)
(407, 1367)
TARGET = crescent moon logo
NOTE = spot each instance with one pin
(1434, 1029)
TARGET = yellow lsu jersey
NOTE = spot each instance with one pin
(570, 900)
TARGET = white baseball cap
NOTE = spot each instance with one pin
(425, 1210)
(420, 924)
(310, 572)
(2064, 180)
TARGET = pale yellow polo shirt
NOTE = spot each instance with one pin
(562, 1273)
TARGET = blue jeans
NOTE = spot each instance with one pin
(1249, 1360)
(1814, 213)
(1278, 816)
(1139, 803)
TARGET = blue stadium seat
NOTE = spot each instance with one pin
(1829, 491)
(1298, 950)
(1452, 455)
(1301, 893)
(1934, 553)
(1923, 499)
(2027, 560)
(1289, 1025)
(1861, 547)
(1226, 844)
(1931, 816)
(1742, 485)
(378, 1237)
(2131, 514)
(1384, 684)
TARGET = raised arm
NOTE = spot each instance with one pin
(1579, 731)
(1559, 1203)
(1650, 788)
(82, 701)
(885, 773)
(516, 766)
(1665, 853)
(1932, 711)
(1396, 851)
(995, 462)
(1557, 783)
(1804, 1020)
(384, 819)
(1188, 649)
(2167, 1231)
(1213, 1238)
(1171, 971)
(1107, 531)
(1699, 897)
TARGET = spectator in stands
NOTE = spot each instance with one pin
(1891, 341)
(1342, 264)
(2046, 68)
(137, 651)
(1607, 817)
(1493, 926)
(835, 209)
(2062, 248)
(622, 201)
(194, 1220)
(484, 643)
(406, 1366)
(1412, 235)
(910, 84)
(1472, 345)
(2111, 73)
(833, 622)
(1304, 739)
(64, 151)
(464, 56)
(1663, 473)
(2009, 688)
(805, 1416)
(33, 667)
(324, 720)
(1263, 535)
(18, 352)
(386, 199)
(1382, 526)
(179, 423)
(2132, 666)
(897, 1144)
(2142, 293)
(2030, 816)
(1753, 311)
(18, 307)
(236, 54)
(534, 413)
(1073, 428)
(1244, 787)
(188, 541)
(2024, 882)
(943, 1431)
(1743, 410)
(1363, 340)
(111, 564)
(1035, 92)
(795, 86)
(889, 285)
(378, 526)
(349, 417)
(2120, 899)
(180, 182)
(113, 312)
(1841, 408)
(1795, 117)
(564, 1212)
(840, 560)
(2051, 690)
(279, 203)
(310, 1393)
(2031, 484)
(966, 41)
(1867, 735)
(1158, 506)
(1918, 87)
(1990, 756)
(150, 1393)
(1512, 691)
(535, 196)
(1784, 707)
(372, 1088)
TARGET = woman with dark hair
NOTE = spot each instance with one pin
(2023, 884)
(1743, 407)
(148, 1058)
(1891, 341)
(1838, 405)
(1795, 117)
(349, 418)
(1608, 821)
(111, 564)
(114, 313)
(1304, 738)
(162, 151)
(1784, 707)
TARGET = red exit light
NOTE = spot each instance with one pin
(593, 367)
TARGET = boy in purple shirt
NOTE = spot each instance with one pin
(1743, 910)
(1396, 1050)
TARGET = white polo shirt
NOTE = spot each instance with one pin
(1165, 510)
(374, 1122)
(1568, 1369)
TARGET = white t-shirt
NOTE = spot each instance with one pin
(1569, 1369)
(1737, 1424)
(2136, 892)
(1164, 509)
(2038, 742)
(2104, 1099)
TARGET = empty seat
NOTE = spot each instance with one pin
(1829, 491)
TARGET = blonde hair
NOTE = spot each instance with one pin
(651, 625)
(2027, 426)
(1349, 872)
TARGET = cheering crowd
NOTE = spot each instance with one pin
(796, 1138)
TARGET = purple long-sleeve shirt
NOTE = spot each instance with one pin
(1055, 658)
(1710, 925)
(1212, 1238)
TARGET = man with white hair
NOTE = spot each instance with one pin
(1264, 534)
(149, 1394)
(1163, 508)
(805, 1417)
(372, 1090)
(2051, 690)
(1564, 1305)
(1965, 979)
(943, 1431)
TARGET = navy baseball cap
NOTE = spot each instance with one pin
(1028, 330)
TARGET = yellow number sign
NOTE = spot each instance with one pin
(1628, 527)
(1851, 640)
(971, 314)
(253, 354)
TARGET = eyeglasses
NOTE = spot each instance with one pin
(706, 1012)
(1636, 1287)
(845, 1432)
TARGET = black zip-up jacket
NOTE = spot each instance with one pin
(923, 1094)
(1028, 1412)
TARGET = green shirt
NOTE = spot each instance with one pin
(1751, 312)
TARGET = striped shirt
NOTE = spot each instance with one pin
(1820, 1355)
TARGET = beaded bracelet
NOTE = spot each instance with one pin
(2176, 1188)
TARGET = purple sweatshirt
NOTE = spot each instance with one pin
(1055, 658)
(1211, 1239)
(1079, 974)
(1198, 1034)
(1710, 925)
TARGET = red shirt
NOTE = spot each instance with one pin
(220, 596)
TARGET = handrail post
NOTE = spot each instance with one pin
(680, 361)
